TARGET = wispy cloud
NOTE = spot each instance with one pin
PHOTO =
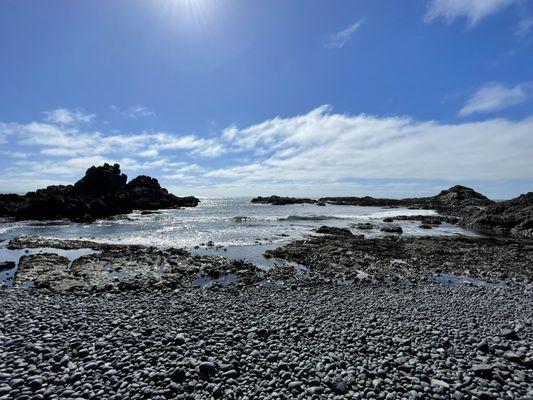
(64, 116)
(339, 39)
(524, 28)
(328, 147)
(62, 134)
(136, 111)
(496, 96)
(473, 10)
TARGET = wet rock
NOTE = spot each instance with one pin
(365, 226)
(122, 267)
(329, 230)
(394, 258)
(178, 375)
(7, 265)
(392, 229)
(280, 201)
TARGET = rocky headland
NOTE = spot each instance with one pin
(457, 200)
(103, 192)
(281, 201)
(512, 217)
(458, 204)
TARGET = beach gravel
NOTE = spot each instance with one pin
(321, 341)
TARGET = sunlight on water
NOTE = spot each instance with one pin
(225, 222)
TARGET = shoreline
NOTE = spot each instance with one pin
(338, 255)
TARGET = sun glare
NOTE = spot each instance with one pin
(196, 13)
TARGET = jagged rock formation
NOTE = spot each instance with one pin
(512, 217)
(457, 201)
(280, 201)
(101, 193)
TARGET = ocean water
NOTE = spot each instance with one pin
(236, 227)
(225, 222)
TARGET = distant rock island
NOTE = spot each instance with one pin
(103, 192)
(458, 200)
(472, 209)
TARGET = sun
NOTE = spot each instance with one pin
(193, 13)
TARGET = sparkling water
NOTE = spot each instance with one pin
(225, 222)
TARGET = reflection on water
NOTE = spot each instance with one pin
(226, 222)
(234, 228)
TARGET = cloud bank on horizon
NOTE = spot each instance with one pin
(355, 139)
(319, 149)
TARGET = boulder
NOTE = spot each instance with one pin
(512, 217)
(365, 226)
(392, 229)
(330, 230)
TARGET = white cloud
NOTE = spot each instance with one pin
(473, 10)
(14, 154)
(495, 96)
(149, 153)
(197, 146)
(339, 39)
(317, 153)
(326, 147)
(68, 141)
(64, 116)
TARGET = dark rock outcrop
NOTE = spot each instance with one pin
(416, 258)
(331, 230)
(365, 201)
(280, 201)
(512, 217)
(101, 180)
(365, 226)
(392, 229)
(457, 201)
(101, 193)
(9, 203)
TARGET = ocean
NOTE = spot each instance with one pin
(236, 227)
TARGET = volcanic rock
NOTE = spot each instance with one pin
(280, 201)
(101, 193)
(392, 229)
(512, 217)
(330, 230)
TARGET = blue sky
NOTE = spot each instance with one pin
(237, 97)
